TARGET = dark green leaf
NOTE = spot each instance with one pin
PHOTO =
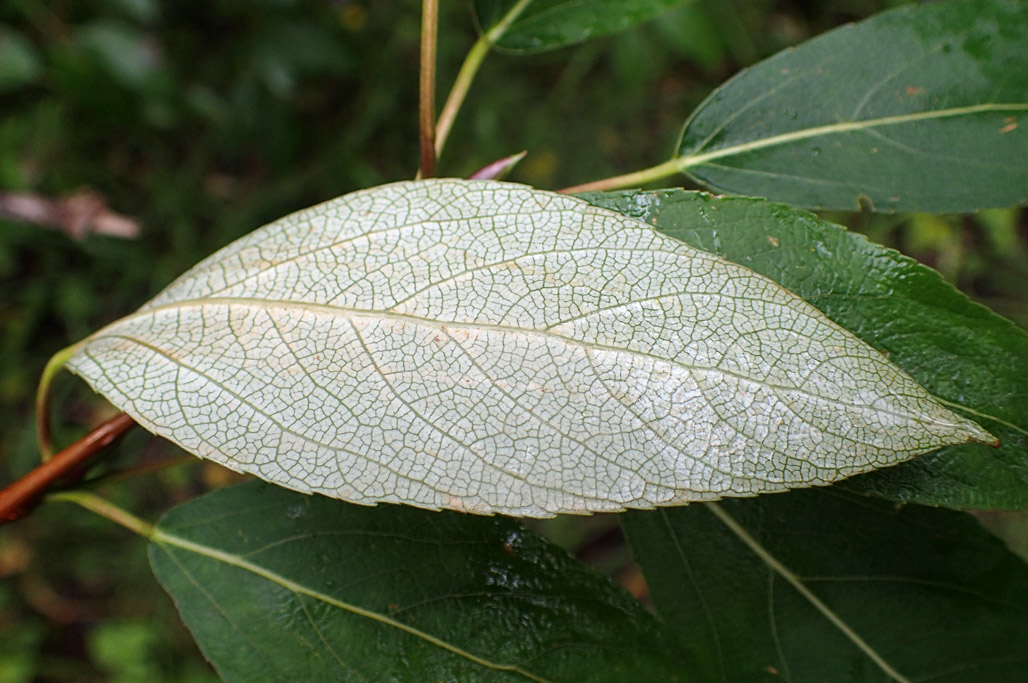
(958, 350)
(918, 109)
(551, 24)
(127, 53)
(281, 586)
(825, 586)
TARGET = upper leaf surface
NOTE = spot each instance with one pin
(918, 109)
(958, 350)
(551, 24)
(278, 586)
(825, 586)
(489, 347)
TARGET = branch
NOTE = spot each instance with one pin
(77, 215)
(17, 498)
(426, 107)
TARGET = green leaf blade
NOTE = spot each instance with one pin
(831, 586)
(958, 350)
(551, 24)
(487, 347)
(917, 109)
(280, 586)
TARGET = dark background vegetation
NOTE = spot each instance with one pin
(204, 119)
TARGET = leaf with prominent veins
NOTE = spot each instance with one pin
(921, 108)
(489, 347)
(276, 586)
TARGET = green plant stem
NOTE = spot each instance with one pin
(18, 497)
(985, 416)
(681, 164)
(105, 509)
(801, 588)
(426, 103)
(43, 431)
(467, 73)
(649, 175)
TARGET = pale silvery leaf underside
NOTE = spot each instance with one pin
(489, 347)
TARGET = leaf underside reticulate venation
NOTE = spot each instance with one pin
(489, 347)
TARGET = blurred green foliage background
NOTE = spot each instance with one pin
(204, 119)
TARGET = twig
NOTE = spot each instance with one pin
(18, 497)
(426, 108)
(77, 215)
(141, 470)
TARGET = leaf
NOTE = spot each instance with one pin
(922, 108)
(551, 24)
(20, 63)
(488, 347)
(128, 53)
(278, 586)
(958, 350)
(824, 586)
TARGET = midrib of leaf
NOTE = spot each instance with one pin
(500, 28)
(684, 559)
(794, 581)
(162, 537)
(983, 415)
(554, 9)
(691, 160)
(403, 317)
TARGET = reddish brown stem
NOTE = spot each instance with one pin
(17, 498)
(426, 108)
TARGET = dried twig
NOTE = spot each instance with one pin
(77, 215)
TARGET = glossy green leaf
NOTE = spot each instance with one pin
(923, 108)
(958, 350)
(484, 346)
(279, 586)
(824, 586)
(550, 24)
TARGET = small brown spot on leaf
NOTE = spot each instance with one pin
(772, 240)
(913, 90)
(1009, 127)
